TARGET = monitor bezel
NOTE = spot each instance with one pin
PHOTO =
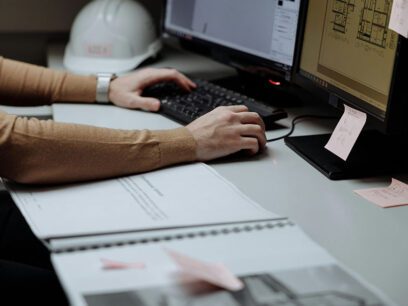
(393, 120)
(242, 61)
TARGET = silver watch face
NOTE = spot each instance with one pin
(102, 88)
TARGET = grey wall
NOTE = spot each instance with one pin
(38, 15)
(28, 26)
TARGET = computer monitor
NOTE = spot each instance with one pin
(255, 36)
(348, 55)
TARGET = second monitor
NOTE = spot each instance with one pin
(349, 56)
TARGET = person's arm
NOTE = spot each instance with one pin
(43, 152)
(46, 152)
(23, 84)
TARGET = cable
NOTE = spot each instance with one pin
(295, 121)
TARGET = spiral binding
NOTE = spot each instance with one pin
(227, 230)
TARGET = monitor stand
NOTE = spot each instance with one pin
(374, 154)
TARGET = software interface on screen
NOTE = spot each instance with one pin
(347, 44)
(264, 28)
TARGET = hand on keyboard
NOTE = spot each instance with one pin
(186, 106)
(125, 91)
(226, 130)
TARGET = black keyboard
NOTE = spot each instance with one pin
(185, 107)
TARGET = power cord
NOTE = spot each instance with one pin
(295, 121)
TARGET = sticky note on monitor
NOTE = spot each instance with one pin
(395, 194)
(214, 273)
(346, 132)
(399, 17)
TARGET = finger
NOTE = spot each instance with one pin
(250, 144)
(235, 108)
(190, 82)
(145, 103)
(252, 118)
(154, 76)
(184, 83)
(254, 131)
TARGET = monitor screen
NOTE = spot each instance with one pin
(349, 50)
(262, 29)
(348, 55)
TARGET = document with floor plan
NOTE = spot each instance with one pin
(183, 196)
(274, 262)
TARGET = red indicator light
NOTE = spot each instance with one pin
(274, 83)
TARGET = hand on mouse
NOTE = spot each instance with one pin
(226, 130)
(125, 91)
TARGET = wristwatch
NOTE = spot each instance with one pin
(102, 87)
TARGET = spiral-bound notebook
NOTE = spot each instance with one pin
(178, 197)
(277, 263)
(131, 222)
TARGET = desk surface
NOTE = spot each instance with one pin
(368, 239)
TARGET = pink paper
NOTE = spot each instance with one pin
(346, 132)
(108, 264)
(213, 273)
(399, 17)
(394, 195)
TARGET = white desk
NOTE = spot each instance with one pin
(41, 112)
(370, 240)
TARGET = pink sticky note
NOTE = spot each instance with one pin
(108, 264)
(346, 132)
(394, 195)
(399, 17)
(213, 273)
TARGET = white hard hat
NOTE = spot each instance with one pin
(111, 36)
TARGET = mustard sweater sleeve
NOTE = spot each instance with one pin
(44, 152)
(23, 84)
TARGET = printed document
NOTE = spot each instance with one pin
(181, 196)
(276, 263)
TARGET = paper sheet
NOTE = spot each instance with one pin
(346, 132)
(399, 17)
(180, 196)
(394, 195)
